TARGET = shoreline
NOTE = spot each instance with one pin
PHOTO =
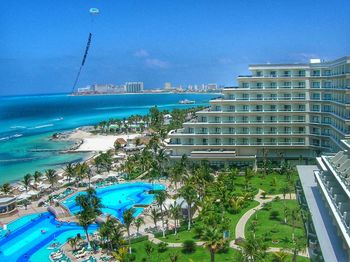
(146, 93)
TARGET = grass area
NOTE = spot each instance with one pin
(191, 235)
(269, 223)
(200, 254)
(272, 183)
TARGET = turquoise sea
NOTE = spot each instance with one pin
(27, 122)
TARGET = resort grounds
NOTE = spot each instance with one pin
(130, 202)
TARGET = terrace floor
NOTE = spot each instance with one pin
(330, 242)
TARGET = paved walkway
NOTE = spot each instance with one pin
(241, 225)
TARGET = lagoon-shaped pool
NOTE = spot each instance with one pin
(120, 197)
(32, 236)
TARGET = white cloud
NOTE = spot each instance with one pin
(156, 63)
(141, 53)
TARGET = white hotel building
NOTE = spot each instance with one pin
(295, 111)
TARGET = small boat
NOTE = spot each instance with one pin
(186, 101)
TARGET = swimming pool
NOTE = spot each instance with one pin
(31, 237)
(120, 197)
(26, 242)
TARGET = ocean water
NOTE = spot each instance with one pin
(27, 123)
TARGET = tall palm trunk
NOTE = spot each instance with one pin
(163, 229)
(189, 216)
(129, 240)
(212, 256)
(87, 236)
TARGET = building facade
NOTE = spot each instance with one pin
(333, 181)
(294, 111)
(134, 87)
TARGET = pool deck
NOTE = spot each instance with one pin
(330, 242)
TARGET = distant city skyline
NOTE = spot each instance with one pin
(181, 42)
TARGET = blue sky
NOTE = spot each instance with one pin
(181, 41)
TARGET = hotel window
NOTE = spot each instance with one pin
(231, 119)
(273, 119)
(273, 74)
(301, 107)
(204, 130)
(286, 96)
(287, 130)
(315, 119)
(259, 97)
(231, 130)
(301, 73)
(301, 118)
(245, 108)
(287, 108)
(326, 108)
(217, 130)
(273, 85)
(286, 118)
(258, 141)
(301, 84)
(316, 73)
(259, 130)
(245, 85)
(190, 141)
(273, 96)
(231, 108)
(231, 97)
(217, 141)
(273, 108)
(316, 96)
(190, 130)
(245, 119)
(245, 96)
(316, 108)
(217, 119)
(327, 72)
(286, 73)
(259, 85)
(245, 141)
(315, 84)
(203, 119)
(258, 73)
(287, 84)
(205, 141)
(273, 130)
(301, 129)
(258, 108)
(245, 130)
(259, 119)
(327, 84)
(231, 141)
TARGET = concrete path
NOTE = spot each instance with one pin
(241, 225)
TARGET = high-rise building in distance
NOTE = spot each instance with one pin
(134, 87)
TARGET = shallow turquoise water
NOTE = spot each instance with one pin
(26, 123)
(27, 242)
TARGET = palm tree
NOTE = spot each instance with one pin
(121, 255)
(138, 223)
(248, 175)
(85, 219)
(27, 179)
(253, 249)
(112, 231)
(6, 188)
(174, 257)
(175, 210)
(213, 241)
(73, 241)
(154, 216)
(160, 199)
(298, 245)
(51, 176)
(149, 250)
(128, 217)
(280, 256)
(175, 174)
(190, 195)
(69, 171)
(37, 175)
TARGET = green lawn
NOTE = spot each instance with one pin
(272, 183)
(200, 255)
(273, 230)
(190, 235)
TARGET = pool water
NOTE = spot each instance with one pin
(120, 197)
(26, 242)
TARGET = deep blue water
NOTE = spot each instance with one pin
(27, 122)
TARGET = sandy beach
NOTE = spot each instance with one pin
(97, 143)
